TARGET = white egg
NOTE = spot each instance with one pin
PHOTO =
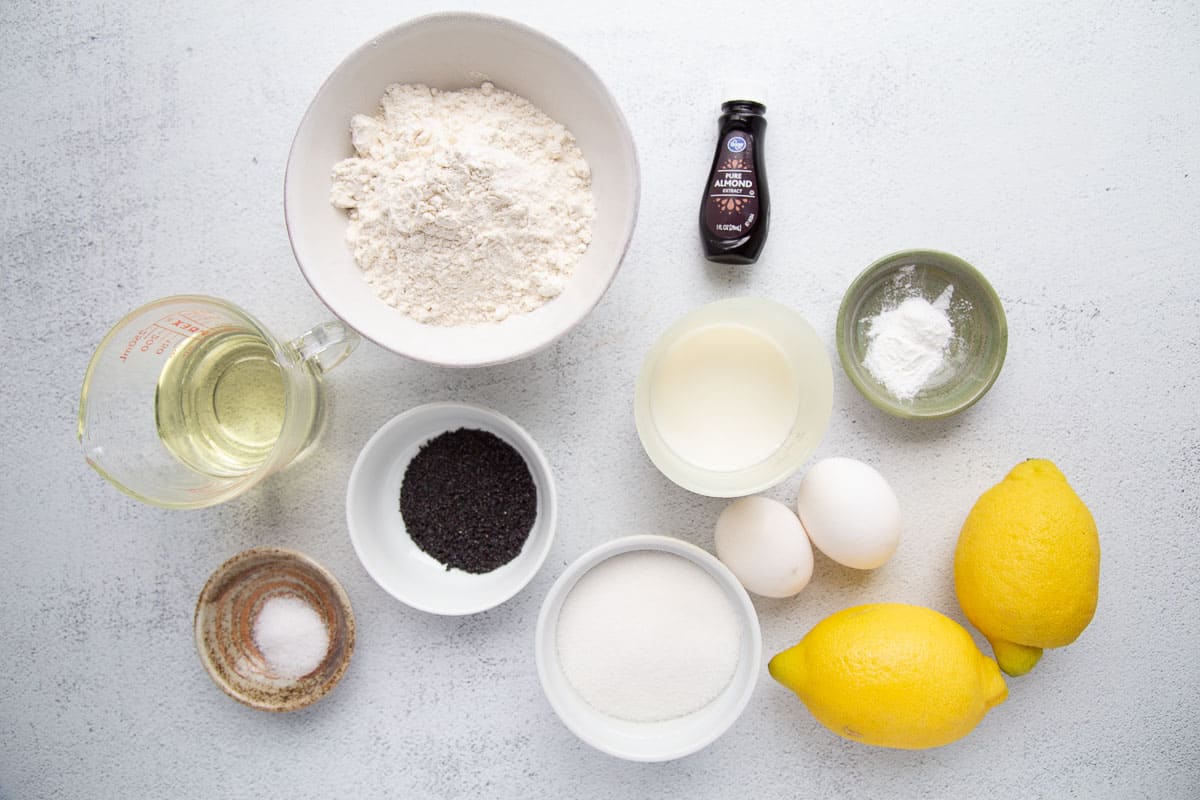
(764, 545)
(850, 512)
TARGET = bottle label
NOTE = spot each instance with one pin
(731, 208)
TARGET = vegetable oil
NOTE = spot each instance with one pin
(220, 403)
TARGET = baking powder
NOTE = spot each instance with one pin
(908, 343)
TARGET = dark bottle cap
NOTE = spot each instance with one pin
(746, 92)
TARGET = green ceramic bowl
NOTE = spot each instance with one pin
(971, 360)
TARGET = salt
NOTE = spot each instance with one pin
(648, 636)
(908, 343)
(291, 636)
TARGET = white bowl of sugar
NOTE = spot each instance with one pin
(648, 648)
(472, 53)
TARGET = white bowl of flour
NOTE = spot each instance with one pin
(437, 315)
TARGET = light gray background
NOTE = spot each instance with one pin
(1056, 146)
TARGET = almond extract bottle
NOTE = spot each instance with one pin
(736, 209)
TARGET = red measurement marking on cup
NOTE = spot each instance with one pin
(164, 335)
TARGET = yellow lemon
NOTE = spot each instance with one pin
(892, 675)
(1027, 565)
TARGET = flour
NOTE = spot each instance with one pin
(464, 207)
(908, 343)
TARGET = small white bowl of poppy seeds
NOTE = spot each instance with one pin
(451, 508)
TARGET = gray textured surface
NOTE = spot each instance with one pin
(1056, 146)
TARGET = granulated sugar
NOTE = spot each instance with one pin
(648, 636)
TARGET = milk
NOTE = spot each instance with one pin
(724, 397)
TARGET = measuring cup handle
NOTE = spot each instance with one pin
(326, 345)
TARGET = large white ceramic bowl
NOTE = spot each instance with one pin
(647, 741)
(454, 51)
(377, 529)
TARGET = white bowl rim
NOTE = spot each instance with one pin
(438, 17)
(548, 488)
(653, 542)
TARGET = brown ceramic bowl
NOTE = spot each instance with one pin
(224, 623)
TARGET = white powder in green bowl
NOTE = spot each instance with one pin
(908, 343)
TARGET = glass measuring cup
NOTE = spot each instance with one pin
(189, 401)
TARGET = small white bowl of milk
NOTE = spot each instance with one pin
(734, 397)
